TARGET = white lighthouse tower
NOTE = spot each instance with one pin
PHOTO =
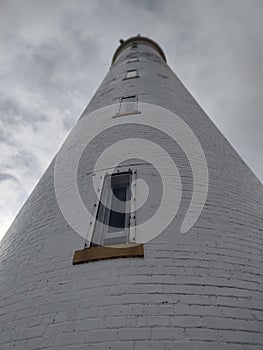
(145, 232)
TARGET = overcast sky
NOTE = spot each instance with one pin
(54, 54)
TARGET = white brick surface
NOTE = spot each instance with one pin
(197, 291)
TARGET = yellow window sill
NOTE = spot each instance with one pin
(124, 114)
(110, 252)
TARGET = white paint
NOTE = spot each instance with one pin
(91, 125)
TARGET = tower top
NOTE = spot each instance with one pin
(136, 39)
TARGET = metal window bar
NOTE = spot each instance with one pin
(94, 212)
(132, 237)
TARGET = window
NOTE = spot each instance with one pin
(128, 105)
(113, 223)
(113, 218)
(133, 73)
(133, 59)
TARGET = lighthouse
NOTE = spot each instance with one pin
(145, 232)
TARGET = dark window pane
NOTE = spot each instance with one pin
(115, 215)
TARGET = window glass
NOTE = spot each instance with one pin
(131, 74)
(115, 215)
(128, 105)
(133, 59)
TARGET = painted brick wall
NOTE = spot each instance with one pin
(199, 290)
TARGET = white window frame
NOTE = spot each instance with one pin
(120, 112)
(131, 74)
(130, 230)
(133, 59)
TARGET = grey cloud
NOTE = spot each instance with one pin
(4, 177)
(28, 158)
(4, 138)
(149, 5)
(13, 113)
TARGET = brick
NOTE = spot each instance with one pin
(115, 322)
(134, 333)
(168, 333)
(149, 345)
(154, 321)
